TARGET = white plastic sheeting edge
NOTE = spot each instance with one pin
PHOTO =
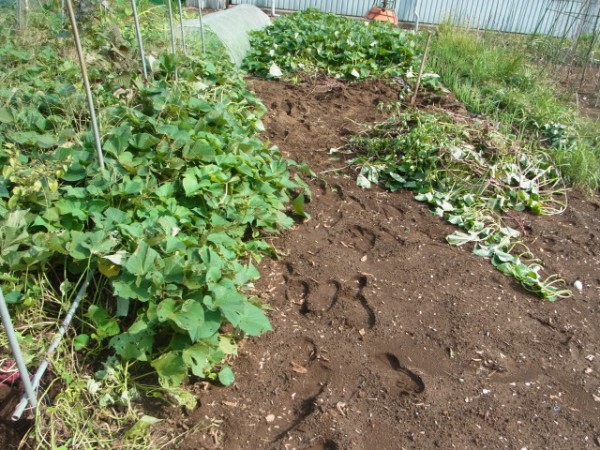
(232, 26)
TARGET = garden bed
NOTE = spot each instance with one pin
(385, 336)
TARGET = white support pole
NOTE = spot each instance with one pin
(86, 83)
(201, 26)
(172, 32)
(273, 9)
(16, 351)
(183, 46)
(139, 39)
(417, 15)
(19, 15)
(53, 346)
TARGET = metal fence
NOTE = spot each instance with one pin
(554, 17)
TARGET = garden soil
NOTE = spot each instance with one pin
(386, 337)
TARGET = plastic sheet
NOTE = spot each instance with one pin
(231, 26)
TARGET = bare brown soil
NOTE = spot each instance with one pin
(385, 337)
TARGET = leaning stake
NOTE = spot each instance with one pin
(414, 97)
(16, 351)
(55, 343)
(139, 38)
(86, 83)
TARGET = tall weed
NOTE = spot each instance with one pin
(493, 77)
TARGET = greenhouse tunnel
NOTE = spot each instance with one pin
(231, 27)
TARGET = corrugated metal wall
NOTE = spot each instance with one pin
(556, 17)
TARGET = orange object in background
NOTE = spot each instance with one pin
(383, 11)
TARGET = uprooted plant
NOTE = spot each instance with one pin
(471, 175)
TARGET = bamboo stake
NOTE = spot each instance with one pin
(86, 83)
(414, 97)
(139, 39)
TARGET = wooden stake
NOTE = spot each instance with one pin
(86, 83)
(414, 97)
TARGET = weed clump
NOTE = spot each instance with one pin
(495, 78)
(471, 174)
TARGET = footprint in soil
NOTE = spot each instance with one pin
(322, 298)
(358, 311)
(333, 301)
(296, 290)
(308, 388)
(360, 238)
(330, 197)
(353, 308)
(323, 445)
(396, 378)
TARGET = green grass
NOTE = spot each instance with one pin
(493, 77)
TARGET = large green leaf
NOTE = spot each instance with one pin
(170, 368)
(142, 260)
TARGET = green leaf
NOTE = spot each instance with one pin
(106, 326)
(171, 369)
(200, 150)
(143, 141)
(196, 357)
(190, 183)
(226, 376)
(80, 342)
(298, 205)
(7, 115)
(13, 297)
(227, 345)
(75, 172)
(459, 238)
(141, 428)
(254, 321)
(231, 303)
(126, 288)
(142, 260)
(133, 345)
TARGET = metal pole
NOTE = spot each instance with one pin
(139, 39)
(201, 26)
(172, 31)
(55, 343)
(181, 26)
(273, 9)
(19, 15)
(417, 15)
(86, 83)
(16, 351)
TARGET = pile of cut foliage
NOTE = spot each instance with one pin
(472, 175)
